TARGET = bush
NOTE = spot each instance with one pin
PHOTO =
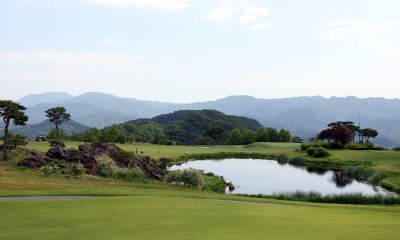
(300, 161)
(214, 183)
(50, 168)
(353, 145)
(187, 177)
(322, 145)
(320, 152)
(310, 151)
(282, 158)
(358, 171)
(56, 143)
(128, 173)
(305, 146)
(107, 167)
(377, 177)
(78, 169)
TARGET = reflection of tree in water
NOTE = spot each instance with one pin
(317, 170)
(340, 179)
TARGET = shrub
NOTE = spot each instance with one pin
(129, 173)
(304, 146)
(310, 151)
(214, 183)
(107, 167)
(300, 161)
(387, 185)
(322, 145)
(320, 152)
(369, 145)
(78, 169)
(282, 158)
(210, 174)
(353, 145)
(56, 143)
(377, 177)
(358, 171)
(187, 177)
(50, 168)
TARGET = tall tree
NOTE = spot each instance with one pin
(369, 133)
(262, 135)
(234, 137)
(57, 115)
(216, 133)
(248, 136)
(284, 135)
(10, 110)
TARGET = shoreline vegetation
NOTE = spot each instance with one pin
(361, 169)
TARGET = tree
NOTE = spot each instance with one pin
(369, 133)
(57, 115)
(216, 133)
(53, 134)
(10, 110)
(273, 135)
(248, 136)
(325, 135)
(234, 137)
(342, 135)
(284, 135)
(106, 138)
(131, 139)
(17, 140)
(262, 135)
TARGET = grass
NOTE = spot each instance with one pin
(342, 198)
(156, 210)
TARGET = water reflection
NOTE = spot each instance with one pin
(254, 176)
(340, 179)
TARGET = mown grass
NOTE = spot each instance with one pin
(156, 210)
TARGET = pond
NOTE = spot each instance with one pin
(253, 176)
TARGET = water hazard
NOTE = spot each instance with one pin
(254, 176)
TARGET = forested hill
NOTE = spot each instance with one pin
(185, 126)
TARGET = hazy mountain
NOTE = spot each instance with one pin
(31, 131)
(303, 116)
(49, 97)
(102, 120)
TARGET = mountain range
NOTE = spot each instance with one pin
(302, 116)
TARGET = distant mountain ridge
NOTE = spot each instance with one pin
(303, 116)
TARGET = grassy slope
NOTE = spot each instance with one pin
(148, 211)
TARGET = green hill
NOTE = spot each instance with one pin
(186, 125)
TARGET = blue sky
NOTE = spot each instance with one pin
(189, 50)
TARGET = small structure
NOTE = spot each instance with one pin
(41, 138)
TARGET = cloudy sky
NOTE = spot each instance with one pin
(198, 50)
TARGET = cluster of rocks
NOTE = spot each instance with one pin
(87, 157)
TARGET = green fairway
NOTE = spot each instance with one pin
(181, 217)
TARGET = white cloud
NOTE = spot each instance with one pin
(358, 28)
(220, 14)
(150, 44)
(1, 6)
(69, 59)
(257, 27)
(253, 13)
(333, 23)
(50, 4)
(112, 41)
(382, 45)
(172, 5)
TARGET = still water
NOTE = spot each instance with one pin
(253, 176)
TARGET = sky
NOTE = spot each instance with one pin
(185, 51)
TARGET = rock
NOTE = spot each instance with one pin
(57, 152)
(35, 161)
(88, 161)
